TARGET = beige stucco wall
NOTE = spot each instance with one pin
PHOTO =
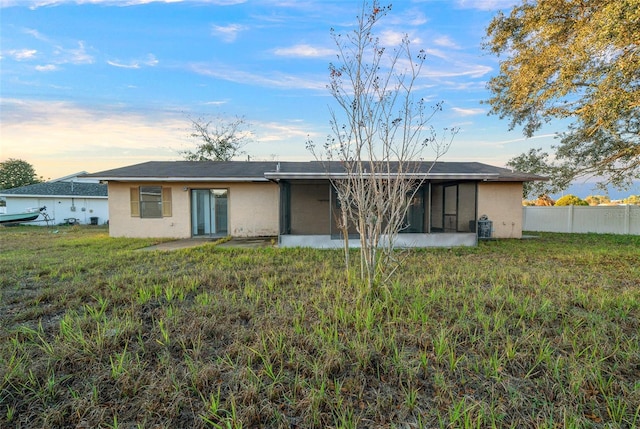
(253, 210)
(502, 203)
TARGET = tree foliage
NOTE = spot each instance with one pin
(380, 134)
(594, 200)
(570, 200)
(15, 173)
(577, 60)
(537, 162)
(219, 139)
(632, 199)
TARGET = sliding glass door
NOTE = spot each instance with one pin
(209, 212)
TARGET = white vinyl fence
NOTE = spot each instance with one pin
(583, 219)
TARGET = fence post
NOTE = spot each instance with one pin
(570, 219)
(627, 219)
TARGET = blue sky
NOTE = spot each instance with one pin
(98, 84)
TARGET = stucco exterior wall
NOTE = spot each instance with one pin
(502, 203)
(253, 210)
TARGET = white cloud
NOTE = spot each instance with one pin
(456, 70)
(266, 79)
(304, 50)
(150, 61)
(59, 53)
(35, 34)
(417, 19)
(487, 4)
(437, 53)
(521, 139)
(53, 136)
(390, 38)
(412, 17)
(78, 55)
(228, 33)
(275, 132)
(132, 65)
(468, 112)
(47, 68)
(22, 54)
(445, 42)
(34, 4)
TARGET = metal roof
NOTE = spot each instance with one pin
(59, 189)
(223, 171)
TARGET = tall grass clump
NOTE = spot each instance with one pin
(532, 333)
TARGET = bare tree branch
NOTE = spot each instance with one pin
(380, 134)
(219, 139)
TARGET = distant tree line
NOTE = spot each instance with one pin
(572, 200)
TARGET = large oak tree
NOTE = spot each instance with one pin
(16, 172)
(577, 60)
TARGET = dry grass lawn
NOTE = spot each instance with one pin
(539, 333)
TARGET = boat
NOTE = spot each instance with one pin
(27, 216)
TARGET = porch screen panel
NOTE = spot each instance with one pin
(337, 219)
(415, 213)
(466, 206)
(310, 212)
(451, 208)
(285, 208)
(437, 210)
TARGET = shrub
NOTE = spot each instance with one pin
(632, 199)
(544, 200)
(594, 200)
(571, 200)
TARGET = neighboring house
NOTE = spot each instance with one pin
(296, 202)
(69, 199)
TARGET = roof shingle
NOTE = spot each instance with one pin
(71, 189)
(260, 170)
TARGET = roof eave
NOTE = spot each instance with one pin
(181, 179)
(420, 176)
(52, 196)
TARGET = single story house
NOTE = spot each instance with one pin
(296, 202)
(68, 199)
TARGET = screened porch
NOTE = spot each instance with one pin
(441, 214)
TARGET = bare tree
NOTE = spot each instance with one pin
(380, 134)
(220, 139)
